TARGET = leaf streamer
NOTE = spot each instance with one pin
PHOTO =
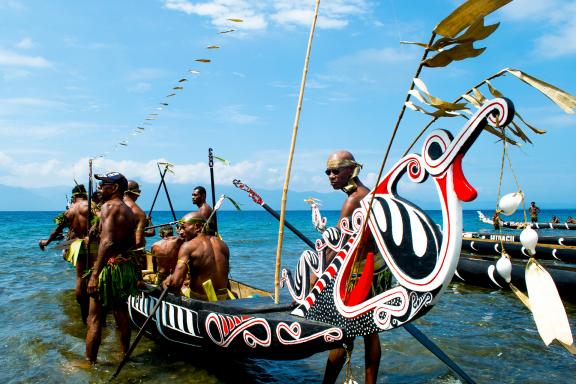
(466, 14)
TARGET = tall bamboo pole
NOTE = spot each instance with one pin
(290, 157)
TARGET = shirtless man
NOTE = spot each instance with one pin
(342, 171)
(534, 210)
(117, 226)
(130, 196)
(75, 218)
(203, 257)
(166, 253)
(199, 199)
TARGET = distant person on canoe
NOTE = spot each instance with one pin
(199, 200)
(166, 253)
(204, 258)
(570, 220)
(115, 273)
(534, 210)
(496, 219)
(342, 171)
(130, 196)
(554, 220)
(75, 218)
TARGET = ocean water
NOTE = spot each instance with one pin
(487, 332)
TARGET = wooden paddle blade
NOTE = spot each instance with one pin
(547, 308)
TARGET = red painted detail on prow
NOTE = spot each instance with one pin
(463, 189)
(364, 284)
(224, 324)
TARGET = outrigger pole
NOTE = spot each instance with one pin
(163, 182)
(291, 156)
(162, 174)
(211, 165)
(409, 327)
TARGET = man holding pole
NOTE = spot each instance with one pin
(115, 274)
(342, 171)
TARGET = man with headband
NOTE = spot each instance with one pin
(342, 171)
(75, 218)
(204, 258)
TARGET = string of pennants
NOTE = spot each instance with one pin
(174, 91)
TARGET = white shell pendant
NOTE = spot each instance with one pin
(504, 268)
(509, 203)
(529, 239)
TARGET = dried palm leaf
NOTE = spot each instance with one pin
(227, 31)
(499, 134)
(436, 113)
(519, 133)
(476, 32)
(472, 100)
(236, 20)
(203, 60)
(178, 88)
(466, 14)
(213, 47)
(435, 101)
(493, 91)
(534, 129)
(459, 52)
(182, 80)
(478, 95)
(563, 99)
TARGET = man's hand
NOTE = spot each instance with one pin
(92, 287)
(43, 244)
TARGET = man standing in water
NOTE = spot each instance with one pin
(114, 274)
(130, 196)
(342, 171)
(75, 218)
(534, 210)
(203, 257)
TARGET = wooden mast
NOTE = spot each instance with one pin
(290, 157)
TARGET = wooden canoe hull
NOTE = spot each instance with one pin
(248, 327)
(480, 271)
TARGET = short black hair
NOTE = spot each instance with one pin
(200, 188)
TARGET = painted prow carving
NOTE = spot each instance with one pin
(421, 258)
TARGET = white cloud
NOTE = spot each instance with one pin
(25, 43)
(234, 114)
(559, 19)
(8, 58)
(257, 15)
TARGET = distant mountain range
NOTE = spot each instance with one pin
(54, 199)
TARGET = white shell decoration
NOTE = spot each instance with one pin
(510, 202)
(504, 268)
(529, 239)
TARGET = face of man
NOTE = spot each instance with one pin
(339, 176)
(107, 190)
(197, 197)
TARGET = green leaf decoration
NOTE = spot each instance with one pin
(466, 14)
(561, 98)
(226, 162)
(235, 204)
(236, 20)
(459, 52)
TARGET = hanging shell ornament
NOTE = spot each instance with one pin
(529, 239)
(504, 267)
(509, 203)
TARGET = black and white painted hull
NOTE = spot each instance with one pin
(509, 237)
(564, 253)
(251, 327)
(481, 271)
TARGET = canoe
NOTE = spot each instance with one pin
(480, 271)
(250, 326)
(481, 246)
(518, 224)
(511, 237)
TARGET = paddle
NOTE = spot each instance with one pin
(161, 225)
(139, 335)
(411, 328)
(211, 165)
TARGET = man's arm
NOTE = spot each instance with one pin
(62, 222)
(176, 279)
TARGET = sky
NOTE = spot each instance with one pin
(120, 82)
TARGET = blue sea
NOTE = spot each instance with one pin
(489, 333)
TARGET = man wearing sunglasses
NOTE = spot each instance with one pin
(115, 274)
(342, 171)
